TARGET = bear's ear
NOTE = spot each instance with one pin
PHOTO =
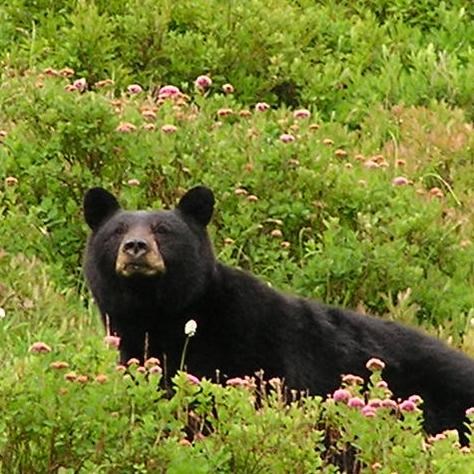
(98, 205)
(198, 203)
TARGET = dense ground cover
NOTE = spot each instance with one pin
(342, 161)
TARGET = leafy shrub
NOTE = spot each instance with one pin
(341, 58)
(78, 414)
(345, 233)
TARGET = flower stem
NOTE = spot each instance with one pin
(183, 354)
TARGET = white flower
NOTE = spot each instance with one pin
(2, 313)
(190, 328)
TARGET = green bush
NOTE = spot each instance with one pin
(350, 236)
(77, 414)
(341, 58)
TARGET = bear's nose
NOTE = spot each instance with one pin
(135, 247)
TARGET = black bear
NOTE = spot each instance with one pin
(152, 271)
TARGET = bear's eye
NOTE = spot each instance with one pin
(160, 228)
(115, 232)
(120, 229)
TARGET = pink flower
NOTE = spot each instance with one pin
(470, 412)
(101, 378)
(287, 138)
(132, 182)
(389, 403)
(134, 89)
(225, 112)
(407, 405)
(133, 361)
(351, 379)
(192, 379)
(155, 370)
(382, 384)
(375, 365)
(121, 368)
(368, 411)
(198, 436)
(169, 128)
(228, 88)
(58, 365)
(276, 383)
(11, 181)
(341, 395)
(148, 114)
(436, 192)
(80, 84)
(39, 348)
(241, 192)
(375, 403)
(355, 402)
(66, 72)
(168, 92)
(261, 107)
(70, 376)
(112, 341)
(82, 379)
(370, 164)
(302, 114)
(49, 71)
(437, 437)
(104, 83)
(152, 362)
(416, 399)
(400, 181)
(237, 382)
(149, 127)
(126, 127)
(203, 82)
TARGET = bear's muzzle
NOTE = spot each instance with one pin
(138, 255)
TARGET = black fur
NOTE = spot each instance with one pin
(245, 326)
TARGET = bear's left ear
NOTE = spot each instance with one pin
(99, 204)
(198, 203)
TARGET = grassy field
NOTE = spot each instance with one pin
(338, 140)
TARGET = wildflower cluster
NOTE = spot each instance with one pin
(378, 399)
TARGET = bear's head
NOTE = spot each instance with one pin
(168, 249)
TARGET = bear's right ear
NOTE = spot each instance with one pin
(98, 205)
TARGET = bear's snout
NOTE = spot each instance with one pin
(135, 247)
(138, 255)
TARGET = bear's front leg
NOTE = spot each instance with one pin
(132, 345)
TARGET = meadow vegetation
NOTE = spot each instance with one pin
(338, 140)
